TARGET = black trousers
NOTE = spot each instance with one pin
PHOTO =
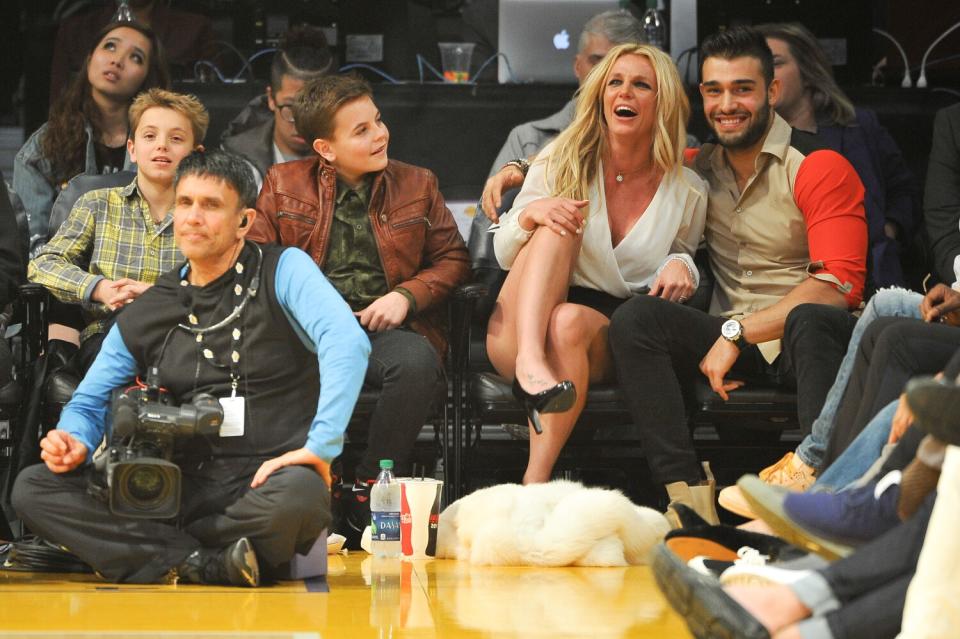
(815, 339)
(872, 583)
(283, 516)
(657, 347)
(893, 350)
(406, 369)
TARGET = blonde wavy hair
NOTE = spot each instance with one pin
(575, 157)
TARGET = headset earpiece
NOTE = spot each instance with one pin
(243, 222)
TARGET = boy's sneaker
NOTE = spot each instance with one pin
(354, 511)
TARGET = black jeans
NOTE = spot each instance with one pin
(406, 369)
(282, 517)
(893, 350)
(871, 584)
(815, 339)
(656, 347)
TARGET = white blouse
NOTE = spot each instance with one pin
(670, 228)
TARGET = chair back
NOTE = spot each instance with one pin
(483, 260)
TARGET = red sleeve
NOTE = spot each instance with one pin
(829, 193)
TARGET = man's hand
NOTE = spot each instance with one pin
(941, 304)
(299, 457)
(508, 177)
(61, 452)
(385, 313)
(902, 420)
(674, 282)
(717, 363)
(116, 293)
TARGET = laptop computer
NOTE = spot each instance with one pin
(540, 37)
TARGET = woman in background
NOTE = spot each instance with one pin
(87, 130)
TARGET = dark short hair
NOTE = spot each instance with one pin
(222, 165)
(304, 54)
(318, 103)
(738, 42)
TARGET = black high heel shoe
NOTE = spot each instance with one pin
(555, 399)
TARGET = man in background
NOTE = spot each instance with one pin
(264, 138)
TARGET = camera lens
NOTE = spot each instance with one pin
(145, 484)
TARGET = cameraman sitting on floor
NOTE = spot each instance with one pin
(245, 324)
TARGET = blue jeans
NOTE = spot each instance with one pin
(861, 454)
(888, 302)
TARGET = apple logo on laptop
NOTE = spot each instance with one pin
(561, 40)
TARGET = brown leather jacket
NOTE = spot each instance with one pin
(419, 244)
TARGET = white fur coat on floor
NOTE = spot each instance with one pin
(561, 523)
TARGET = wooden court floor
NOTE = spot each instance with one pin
(390, 599)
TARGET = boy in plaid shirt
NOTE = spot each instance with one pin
(116, 242)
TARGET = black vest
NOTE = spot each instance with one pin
(279, 376)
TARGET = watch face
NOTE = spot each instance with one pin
(730, 329)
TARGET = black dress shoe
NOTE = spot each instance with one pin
(555, 399)
(936, 408)
(701, 601)
(235, 565)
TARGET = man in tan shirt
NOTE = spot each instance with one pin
(785, 227)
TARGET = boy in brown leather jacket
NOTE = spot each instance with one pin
(381, 233)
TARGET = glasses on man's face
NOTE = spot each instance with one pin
(286, 111)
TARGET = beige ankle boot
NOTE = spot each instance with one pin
(701, 497)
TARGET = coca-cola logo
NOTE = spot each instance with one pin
(406, 519)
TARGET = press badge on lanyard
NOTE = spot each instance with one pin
(233, 413)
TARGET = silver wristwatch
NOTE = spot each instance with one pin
(520, 163)
(732, 331)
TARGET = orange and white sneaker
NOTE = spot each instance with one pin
(790, 472)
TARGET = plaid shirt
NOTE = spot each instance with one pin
(108, 234)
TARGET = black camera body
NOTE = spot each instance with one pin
(140, 479)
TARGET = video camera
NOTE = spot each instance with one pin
(140, 480)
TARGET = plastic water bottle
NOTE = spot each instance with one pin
(385, 512)
(654, 28)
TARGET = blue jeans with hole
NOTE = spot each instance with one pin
(888, 302)
(859, 456)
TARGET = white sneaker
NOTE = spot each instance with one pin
(711, 567)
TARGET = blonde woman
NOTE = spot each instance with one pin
(607, 212)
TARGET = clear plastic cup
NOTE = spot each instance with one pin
(455, 59)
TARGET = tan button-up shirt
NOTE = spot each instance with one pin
(800, 215)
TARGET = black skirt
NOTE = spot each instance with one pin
(597, 300)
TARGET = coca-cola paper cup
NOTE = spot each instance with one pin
(419, 516)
